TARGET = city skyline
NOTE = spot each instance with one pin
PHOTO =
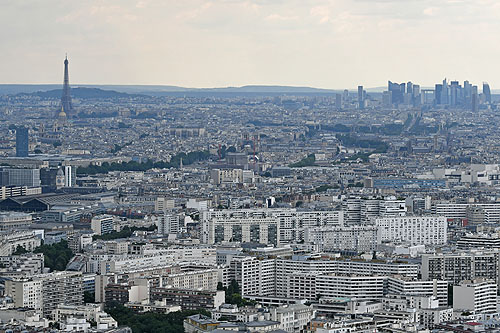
(322, 44)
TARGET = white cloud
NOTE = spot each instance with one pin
(326, 43)
(431, 11)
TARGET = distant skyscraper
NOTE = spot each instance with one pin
(487, 92)
(467, 93)
(454, 93)
(361, 98)
(66, 105)
(444, 93)
(398, 91)
(409, 87)
(338, 101)
(22, 142)
(387, 99)
(437, 93)
(474, 99)
(345, 95)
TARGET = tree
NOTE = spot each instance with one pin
(19, 250)
(306, 161)
(56, 256)
(151, 322)
(233, 295)
(126, 232)
(88, 297)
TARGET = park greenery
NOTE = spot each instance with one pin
(353, 141)
(56, 256)
(233, 294)
(126, 232)
(150, 321)
(174, 162)
(306, 161)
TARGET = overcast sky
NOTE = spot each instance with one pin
(201, 43)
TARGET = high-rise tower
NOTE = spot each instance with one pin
(66, 97)
(487, 92)
(22, 142)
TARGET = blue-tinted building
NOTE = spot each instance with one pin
(22, 142)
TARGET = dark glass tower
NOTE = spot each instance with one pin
(22, 141)
(66, 105)
(487, 92)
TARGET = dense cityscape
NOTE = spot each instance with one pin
(257, 209)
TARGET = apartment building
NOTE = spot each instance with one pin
(360, 211)
(293, 317)
(301, 286)
(45, 292)
(254, 276)
(206, 279)
(471, 241)
(14, 220)
(416, 230)
(356, 287)
(163, 204)
(102, 224)
(266, 226)
(285, 268)
(347, 238)
(404, 286)
(167, 223)
(189, 299)
(9, 241)
(26, 264)
(476, 213)
(104, 264)
(477, 296)
(457, 267)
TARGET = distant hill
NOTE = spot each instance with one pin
(83, 93)
(98, 91)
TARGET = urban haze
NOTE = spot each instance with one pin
(313, 166)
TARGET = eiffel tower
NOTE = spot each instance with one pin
(66, 97)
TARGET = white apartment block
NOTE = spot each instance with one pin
(206, 279)
(301, 286)
(470, 241)
(102, 224)
(457, 267)
(431, 317)
(254, 276)
(416, 230)
(285, 268)
(266, 226)
(360, 211)
(347, 238)
(44, 292)
(9, 241)
(404, 286)
(477, 213)
(167, 224)
(477, 296)
(104, 264)
(353, 287)
(293, 317)
(27, 264)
